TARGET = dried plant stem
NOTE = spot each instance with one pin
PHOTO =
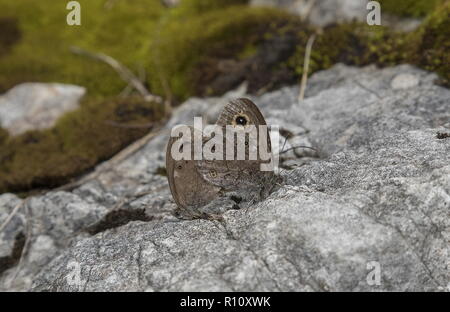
(298, 146)
(123, 72)
(29, 219)
(12, 214)
(309, 5)
(309, 45)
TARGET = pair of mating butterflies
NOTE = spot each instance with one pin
(195, 183)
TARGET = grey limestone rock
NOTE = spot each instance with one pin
(375, 198)
(31, 106)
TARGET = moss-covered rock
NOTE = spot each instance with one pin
(351, 43)
(429, 46)
(197, 48)
(409, 8)
(128, 31)
(79, 140)
(191, 52)
(43, 52)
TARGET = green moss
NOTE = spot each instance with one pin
(194, 7)
(409, 8)
(79, 140)
(249, 50)
(38, 39)
(179, 48)
(429, 46)
(359, 44)
(190, 50)
(130, 31)
(9, 34)
(352, 44)
(42, 54)
(3, 135)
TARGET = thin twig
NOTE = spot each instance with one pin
(28, 218)
(126, 91)
(367, 89)
(299, 146)
(309, 45)
(284, 144)
(309, 5)
(123, 72)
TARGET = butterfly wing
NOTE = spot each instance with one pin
(241, 108)
(232, 175)
(189, 189)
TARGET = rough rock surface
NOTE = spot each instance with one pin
(320, 12)
(325, 12)
(376, 194)
(31, 106)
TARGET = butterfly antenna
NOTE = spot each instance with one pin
(298, 146)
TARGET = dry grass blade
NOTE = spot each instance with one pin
(309, 46)
(308, 6)
(123, 72)
(299, 146)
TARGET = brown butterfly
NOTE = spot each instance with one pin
(195, 183)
